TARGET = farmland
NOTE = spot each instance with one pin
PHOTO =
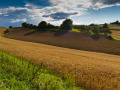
(91, 70)
(20, 74)
(74, 40)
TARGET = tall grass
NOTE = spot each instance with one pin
(19, 74)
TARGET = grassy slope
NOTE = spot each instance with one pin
(70, 40)
(18, 74)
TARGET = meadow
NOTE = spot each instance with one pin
(20, 74)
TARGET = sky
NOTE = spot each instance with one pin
(15, 12)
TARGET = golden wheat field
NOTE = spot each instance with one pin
(91, 70)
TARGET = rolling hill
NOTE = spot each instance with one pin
(72, 40)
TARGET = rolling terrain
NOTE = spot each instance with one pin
(92, 70)
(72, 40)
(2, 29)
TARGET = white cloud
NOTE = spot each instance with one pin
(65, 6)
(18, 20)
(30, 5)
(6, 15)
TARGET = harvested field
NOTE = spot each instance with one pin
(92, 70)
(69, 40)
(116, 34)
(114, 27)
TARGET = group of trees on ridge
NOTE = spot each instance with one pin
(67, 25)
(117, 22)
(44, 26)
(94, 29)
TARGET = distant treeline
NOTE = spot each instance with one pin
(44, 26)
(117, 22)
(93, 29)
(67, 25)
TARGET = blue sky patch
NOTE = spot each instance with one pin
(14, 12)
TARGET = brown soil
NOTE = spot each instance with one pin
(116, 34)
(69, 40)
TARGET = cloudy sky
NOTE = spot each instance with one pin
(14, 12)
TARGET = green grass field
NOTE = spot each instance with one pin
(19, 74)
(74, 30)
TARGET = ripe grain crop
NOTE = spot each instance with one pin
(91, 70)
(20, 74)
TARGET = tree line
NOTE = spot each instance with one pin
(93, 29)
(117, 23)
(44, 26)
(67, 25)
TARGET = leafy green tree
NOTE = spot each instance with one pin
(25, 24)
(50, 26)
(42, 25)
(106, 31)
(95, 30)
(10, 27)
(7, 31)
(66, 25)
(30, 25)
(105, 25)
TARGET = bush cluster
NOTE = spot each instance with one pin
(93, 29)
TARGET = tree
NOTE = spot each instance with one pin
(105, 25)
(10, 27)
(106, 31)
(96, 30)
(25, 24)
(66, 25)
(42, 25)
(30, 25)
(50, 26)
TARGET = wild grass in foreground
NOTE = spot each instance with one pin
(19, 74)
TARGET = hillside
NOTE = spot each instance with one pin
(69, 40)
(2, 29)
(92, 70)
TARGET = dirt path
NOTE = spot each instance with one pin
(91, 70)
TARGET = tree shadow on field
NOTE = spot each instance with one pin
(30, 33)
(59, 33)
(95, 37)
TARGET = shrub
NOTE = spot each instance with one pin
(110, 37)
(7, 31)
